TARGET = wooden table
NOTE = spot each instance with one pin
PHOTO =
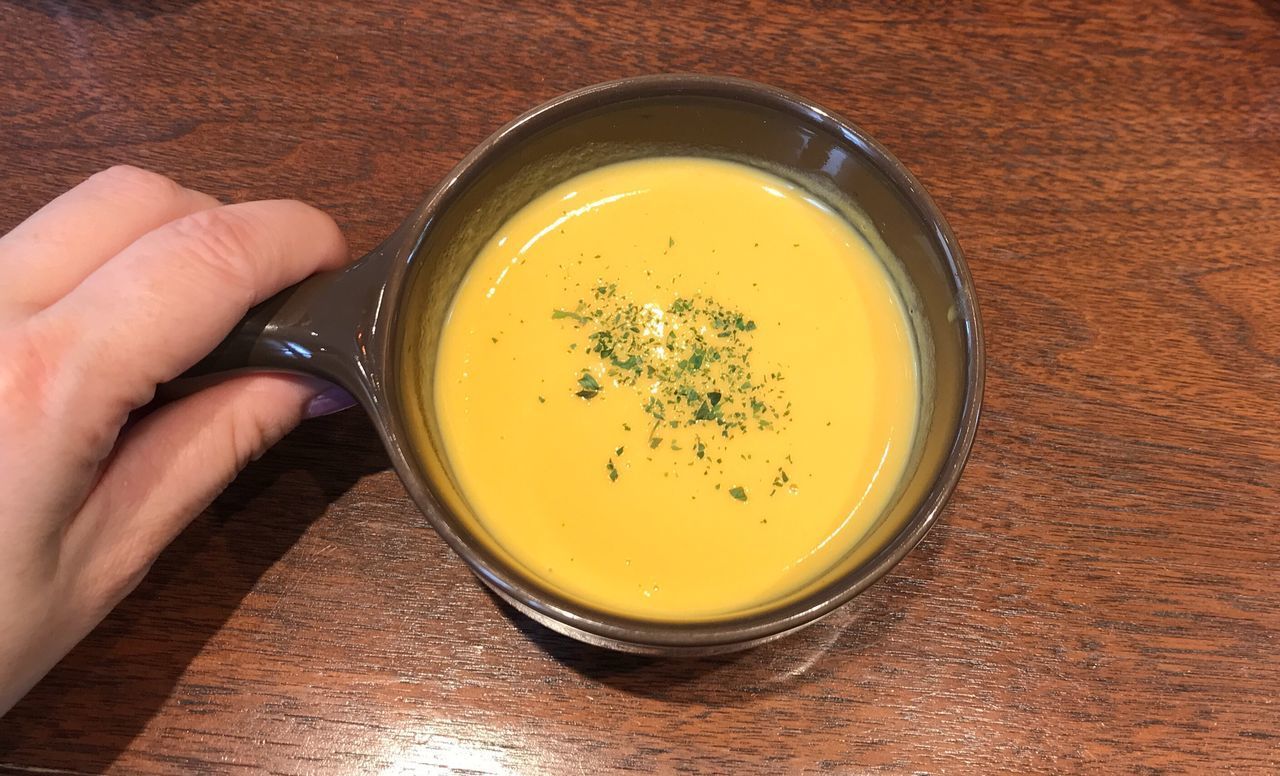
(1102, 593)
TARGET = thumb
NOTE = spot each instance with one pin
(170, 466)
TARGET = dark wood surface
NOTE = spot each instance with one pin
(1103, 592)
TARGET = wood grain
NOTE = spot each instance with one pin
(1103, 593)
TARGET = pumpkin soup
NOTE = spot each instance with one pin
(676, 388)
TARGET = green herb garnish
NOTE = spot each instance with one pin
(689, 367)
(566, 314)
(589, 386)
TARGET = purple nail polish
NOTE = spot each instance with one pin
(327, 402)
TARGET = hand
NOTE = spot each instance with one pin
(117, 286)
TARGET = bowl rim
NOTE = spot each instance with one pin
(668, 637)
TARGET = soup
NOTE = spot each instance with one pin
(677, 388)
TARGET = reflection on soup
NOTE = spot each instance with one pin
(677, 388)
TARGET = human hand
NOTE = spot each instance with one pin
(115, 287)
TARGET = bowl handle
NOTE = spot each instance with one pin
(324, 326)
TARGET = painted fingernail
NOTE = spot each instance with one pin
(327, 402)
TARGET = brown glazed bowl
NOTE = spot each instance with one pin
(374, 328)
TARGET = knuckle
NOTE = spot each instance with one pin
(249, 434)
(46, 394)
(135, 182)
(28, 366)
(221, 241)
(113, 575)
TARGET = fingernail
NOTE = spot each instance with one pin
(327, 402)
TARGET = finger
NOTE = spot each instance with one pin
(168, 468)
(160, 305)
(49, 254)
